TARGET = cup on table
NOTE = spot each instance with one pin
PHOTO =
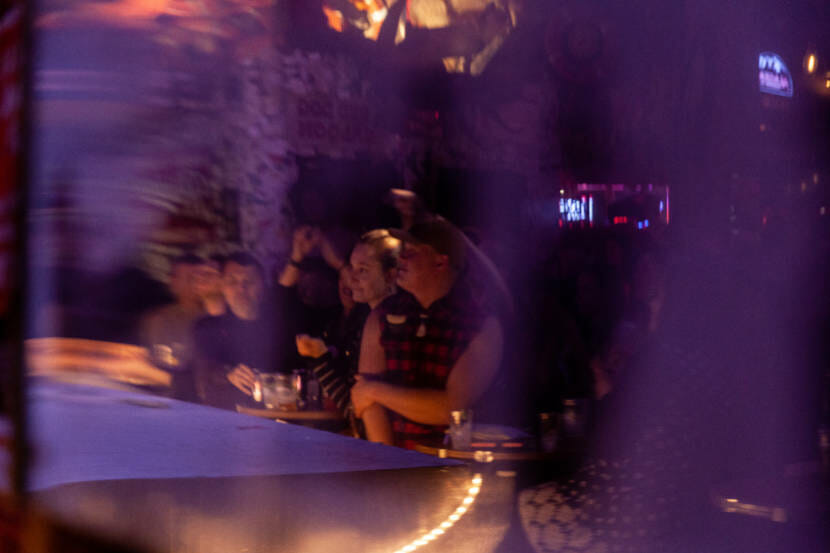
(164, 356)
(266, 384)
(285, 395)
(461, 428)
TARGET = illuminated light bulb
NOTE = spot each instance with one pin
(446, 524)
(429, 537)
(811, 63)
(477, 481)
(409, 548)
(461, 510)
(419, 543)
(474, 490)
(468, 500)
(437, 532)
(454, 517)
(827, 84)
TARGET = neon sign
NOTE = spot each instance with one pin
(773, 75)
(576, 209)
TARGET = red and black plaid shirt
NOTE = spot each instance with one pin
(422, 346)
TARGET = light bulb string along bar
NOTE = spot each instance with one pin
(450, 521)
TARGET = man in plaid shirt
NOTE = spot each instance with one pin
(428, 352)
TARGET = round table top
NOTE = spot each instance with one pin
(484, 454)
(314, 415)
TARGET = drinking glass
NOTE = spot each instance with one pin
(461, 428)
(268, 385)
(286, 395)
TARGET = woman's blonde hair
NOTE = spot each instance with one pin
(386, 247)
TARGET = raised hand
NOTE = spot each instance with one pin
(305, 239)
(308, 346)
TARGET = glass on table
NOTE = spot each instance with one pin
(461, 428)
(164, 356)
(277, 391)
(170, 357)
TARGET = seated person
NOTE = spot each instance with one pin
(368, 281)
(166, 331)
(230, 349)
(429, 352)
(207, 280)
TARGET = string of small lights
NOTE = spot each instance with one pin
(450, 520)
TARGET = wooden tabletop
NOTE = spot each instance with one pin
(127, 363)
(484, 454)
(317, 415)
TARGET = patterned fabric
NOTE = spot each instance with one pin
(336, 370)
(422, 346)
(639, 493)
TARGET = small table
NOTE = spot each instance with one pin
(291, 416)
(485, 454)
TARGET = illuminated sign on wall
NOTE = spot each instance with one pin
(573, 210)
(773, 75)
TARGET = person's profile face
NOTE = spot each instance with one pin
(416, 266)
(243, 289)
(369, 281)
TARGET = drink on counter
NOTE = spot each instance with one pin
(461, 428)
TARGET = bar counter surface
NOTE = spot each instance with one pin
(173, 476)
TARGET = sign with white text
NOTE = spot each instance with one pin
(773, 75)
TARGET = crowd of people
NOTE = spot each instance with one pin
(391, 330)
(404, 324)
(400, 325)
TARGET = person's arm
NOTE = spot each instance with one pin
(327, 367)
(328, 252)
(470, 376)
(302, 243)
(372, 361)
(419, 405)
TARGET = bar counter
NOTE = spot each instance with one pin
(172, 476)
